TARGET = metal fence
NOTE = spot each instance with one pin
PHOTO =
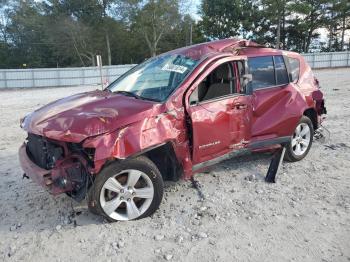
(55, 77)
(328, 60)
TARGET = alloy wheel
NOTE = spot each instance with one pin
(301, 139)
(127, 195)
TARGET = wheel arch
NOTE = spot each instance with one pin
(312, 114)
(164, 157)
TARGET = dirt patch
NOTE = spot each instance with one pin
(237, 216)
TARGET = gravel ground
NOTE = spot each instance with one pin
(305, 216)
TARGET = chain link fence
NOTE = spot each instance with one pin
(328, 60)
(56, 77)
(81, 76)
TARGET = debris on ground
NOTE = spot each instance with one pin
(336, 146)
(243, 221)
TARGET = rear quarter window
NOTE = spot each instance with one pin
(294, 68)
(263, 72)
(281, 71)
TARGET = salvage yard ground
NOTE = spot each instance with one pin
(304, 217)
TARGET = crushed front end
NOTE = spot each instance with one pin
(59, 167)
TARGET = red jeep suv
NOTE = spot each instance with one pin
(168, 118)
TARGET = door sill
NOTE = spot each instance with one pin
(244, 151)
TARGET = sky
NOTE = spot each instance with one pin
(193, 8)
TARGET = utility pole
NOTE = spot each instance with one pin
(99, 64)
(191, 32)
(278, 41)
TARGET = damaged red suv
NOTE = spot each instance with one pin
(169, 118)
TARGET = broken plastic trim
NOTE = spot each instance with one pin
(275, 165)
(322, 134)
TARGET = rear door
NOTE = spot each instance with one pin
(219, 113)
(275, 108)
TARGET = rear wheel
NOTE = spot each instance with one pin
(127, 190)
(301, 140)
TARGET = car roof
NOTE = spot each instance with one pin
(230, 46)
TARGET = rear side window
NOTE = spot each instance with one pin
(281, 71)
(294, 68)
(263, 72)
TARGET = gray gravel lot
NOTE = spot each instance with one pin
(304, 217)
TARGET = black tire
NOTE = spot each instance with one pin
(142, 164)
(290, 155)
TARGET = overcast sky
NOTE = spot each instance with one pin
(192, 6)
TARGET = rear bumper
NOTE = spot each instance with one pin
(39, 175)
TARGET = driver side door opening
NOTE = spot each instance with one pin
(220, 111)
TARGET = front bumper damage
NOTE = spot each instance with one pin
(69, 175)
(39, 175)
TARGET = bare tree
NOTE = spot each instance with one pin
(79, 36)
(4, 21)
(153, 19)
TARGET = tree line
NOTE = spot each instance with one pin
(62, 33)
(293, 25)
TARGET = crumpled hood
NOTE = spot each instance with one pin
(77, 117)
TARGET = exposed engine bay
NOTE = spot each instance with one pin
(68, 164)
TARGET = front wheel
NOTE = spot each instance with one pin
(301, 140)
(127, 190)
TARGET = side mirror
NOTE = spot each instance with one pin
(247, 78)
(193, 103)
(194, 98)
(246, 83)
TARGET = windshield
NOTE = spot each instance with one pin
(156, 78)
